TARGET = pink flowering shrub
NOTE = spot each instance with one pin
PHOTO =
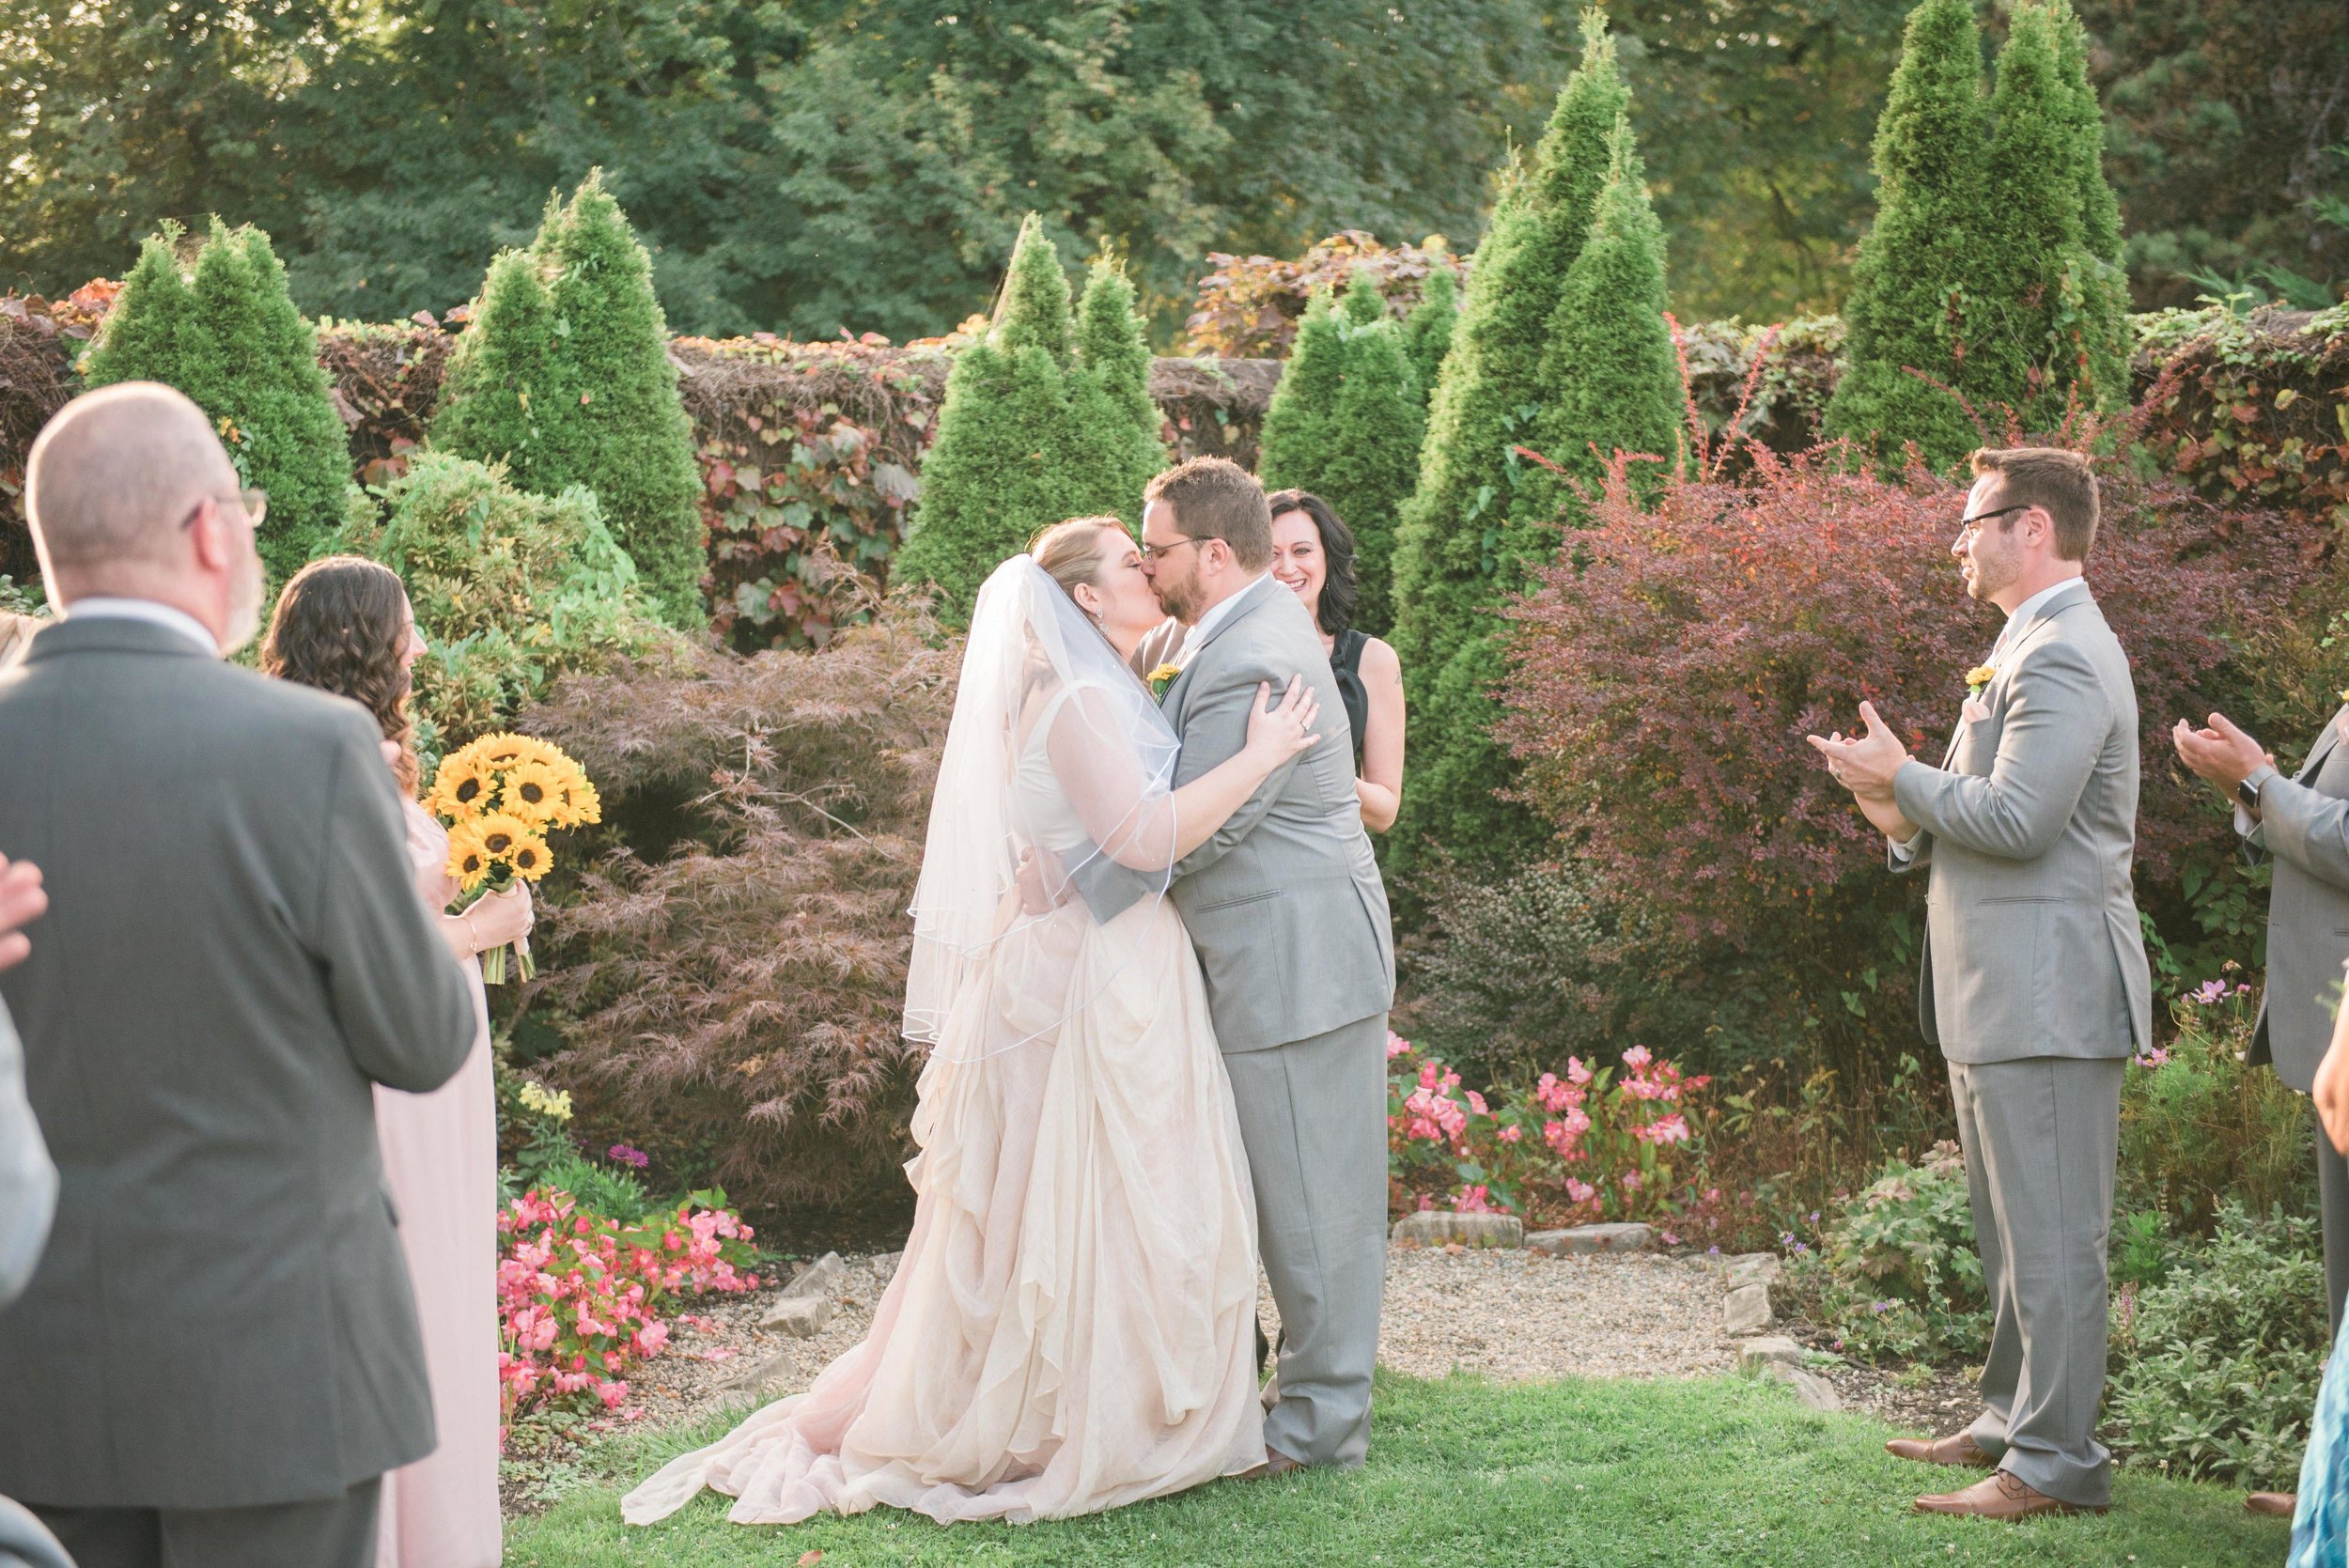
(2198, 1126)
(580, 1294)
(1591, 1145)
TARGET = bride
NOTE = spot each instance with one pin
(1073, 1326)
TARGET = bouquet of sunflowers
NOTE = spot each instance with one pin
(499, 796)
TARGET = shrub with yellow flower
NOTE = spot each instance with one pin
(499, 796)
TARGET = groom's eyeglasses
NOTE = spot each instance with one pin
(1973, 524)
(1153, 553)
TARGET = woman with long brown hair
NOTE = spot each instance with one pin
(344, 625)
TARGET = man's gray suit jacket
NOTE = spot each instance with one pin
(2032, 942)
(234, 953)
(2304, 826)
(1284, 903)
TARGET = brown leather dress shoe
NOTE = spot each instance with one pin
(1958, 1449)
(2283, 1505)
(2000, 1497)
(1275, 1463)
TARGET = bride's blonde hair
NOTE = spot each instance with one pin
(1073, 551)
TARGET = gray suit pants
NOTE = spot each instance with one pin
(333, 1532)
(1312, 1116)
(2041, 1135)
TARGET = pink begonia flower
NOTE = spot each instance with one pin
(1577, 1074)
(1396, 1045)
(1470, 1200)
(1636, 1058)
(1581, 1191)
(1629, 1181)
(1477, 1104)
(1512, 1133)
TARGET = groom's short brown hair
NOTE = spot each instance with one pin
(2057, 481)
(1214, 497)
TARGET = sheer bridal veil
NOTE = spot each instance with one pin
(1057, 755)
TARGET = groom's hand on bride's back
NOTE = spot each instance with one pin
(22, 901)
(1043, 885)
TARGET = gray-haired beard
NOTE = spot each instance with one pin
(244, 606)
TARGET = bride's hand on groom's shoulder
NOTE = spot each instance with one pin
(1278, 731)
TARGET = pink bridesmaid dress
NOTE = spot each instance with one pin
(440, 1154)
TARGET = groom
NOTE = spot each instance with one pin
(1290, 917)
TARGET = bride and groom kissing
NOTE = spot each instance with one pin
(1153, 963)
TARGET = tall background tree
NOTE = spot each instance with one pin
(223, 330)
(1347, 423)
(566, 379)
(1482, 516)
(1044, 419)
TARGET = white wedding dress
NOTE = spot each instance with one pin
(1072, 1325)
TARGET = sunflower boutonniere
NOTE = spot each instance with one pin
(1163, 677)
(1980, 677)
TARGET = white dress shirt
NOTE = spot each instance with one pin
(102, 606)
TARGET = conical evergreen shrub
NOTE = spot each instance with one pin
(2100, 281)
(1918, 299)
(1481, 515)
(1611, 358)
(1044, 419)
(569, 351)
(1346, 423)
(1427, 331)
(228, 335)
(1994, 265)
(1116, 445)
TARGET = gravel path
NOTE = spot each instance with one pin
(1508, 1314)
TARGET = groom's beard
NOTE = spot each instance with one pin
(1180, 601)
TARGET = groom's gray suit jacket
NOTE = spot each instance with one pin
(234, 953)
(2033, 944)
(1284, 903)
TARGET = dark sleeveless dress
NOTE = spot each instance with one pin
(1345, 663)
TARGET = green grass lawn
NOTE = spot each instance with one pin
(1464, 1471)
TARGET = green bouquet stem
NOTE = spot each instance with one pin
(493, 966)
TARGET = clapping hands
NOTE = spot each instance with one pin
(1866, 764)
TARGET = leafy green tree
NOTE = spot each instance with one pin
(1616, 377)
(1916, 302)
(1347, 423)
(1114, 431)
(1296, 420)
(1427, 331)
(566, 379)
(228, 335)
(2099, 278)
(2059, 332)
(1481, 516)
(1039, 424)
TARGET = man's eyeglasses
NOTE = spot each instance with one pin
(255, 501)
(1973, 524)
(1153, 552)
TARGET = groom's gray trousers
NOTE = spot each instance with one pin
(2040, 1135)
(1313, 1117)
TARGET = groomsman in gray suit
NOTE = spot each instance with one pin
(1288, 913)
(217, 1358)
(2301, 826)
(2034, 983)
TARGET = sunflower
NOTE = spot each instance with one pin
(500, 831)
(461, 789)
(503, 750)
(578, 803)
(533, 791)
(530, 859)
(468, 859)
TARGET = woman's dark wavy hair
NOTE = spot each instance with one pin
(340, 625)
(1339, 596)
